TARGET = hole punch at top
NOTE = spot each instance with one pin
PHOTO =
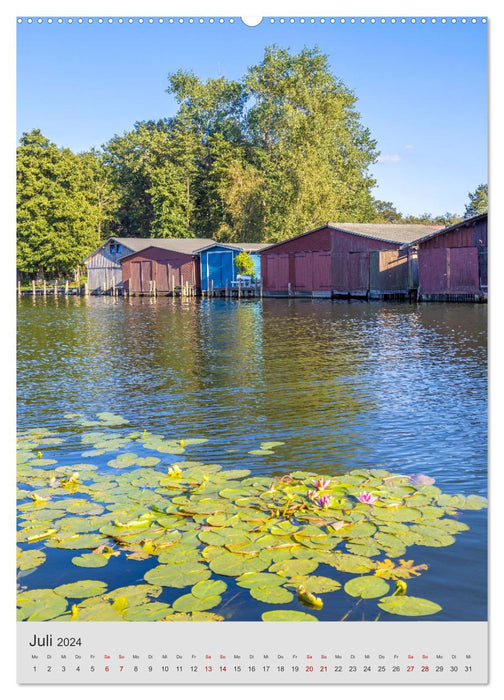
(252, 21)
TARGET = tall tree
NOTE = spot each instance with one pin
(153, 168)
(58, 215)
(283, 149)
(315, 151)
(478, 202)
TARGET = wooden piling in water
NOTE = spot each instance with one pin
(66, 287)
(86, 289)
(34, 291)
(44, 288)
(19, 287)
(55, 288)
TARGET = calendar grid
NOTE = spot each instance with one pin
(328, 653)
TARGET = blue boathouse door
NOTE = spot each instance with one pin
(220, 268)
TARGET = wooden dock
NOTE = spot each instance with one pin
(235, 290)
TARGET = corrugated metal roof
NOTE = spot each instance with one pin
(395, 233)
(391, 233)
(213, 244)
(247, 247)
(252, 247)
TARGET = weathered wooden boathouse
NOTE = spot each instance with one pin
(166, 266)
(452, 262)
(217, 267)
(344, 259)
(104, 270)
(103, 264)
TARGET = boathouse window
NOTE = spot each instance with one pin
(115, 248)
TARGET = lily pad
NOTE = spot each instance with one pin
(178, 575)
(208, 589)
(30, 559)
(367, 587)
(256, 580)
(236, 564)
(136, 595)
(91, 561)
(150, 612)
(271, 594)
(351, 563)
(314, 584)
(190, 603)
(40, 604)
(409, 606)
(99, 612)
(294, 567)
(81, 589)
(287, 616)
(194, 617)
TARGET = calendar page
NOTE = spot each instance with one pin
(252, 349)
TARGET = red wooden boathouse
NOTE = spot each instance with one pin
(452, 262)
(168, 265)
(349, 259)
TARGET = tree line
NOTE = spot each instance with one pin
(281, 151)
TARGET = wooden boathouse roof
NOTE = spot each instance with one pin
(178, 245)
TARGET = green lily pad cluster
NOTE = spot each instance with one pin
(211, 532)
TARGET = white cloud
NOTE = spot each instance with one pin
(393, 158)
(409, 147)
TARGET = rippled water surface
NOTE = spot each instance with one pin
(344, 385)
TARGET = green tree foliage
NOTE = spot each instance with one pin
(244, 263)
(440, 220)
(153, 168)
(63, 206)
(478, 202)
(308, 142)
(386, 213)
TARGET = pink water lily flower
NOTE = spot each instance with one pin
(321, 484)
(312, 495)
(324, 501)
(366, 497)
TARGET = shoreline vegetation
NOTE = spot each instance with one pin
(260, 159)
(293, 543)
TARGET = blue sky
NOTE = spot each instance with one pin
(421, 88)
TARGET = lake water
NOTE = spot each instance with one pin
(344, 385)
